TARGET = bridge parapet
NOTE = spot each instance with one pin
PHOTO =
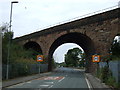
(74, 24)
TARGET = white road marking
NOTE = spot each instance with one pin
(88, 83)
(47, 85)
(51, 78)
(49, 82)
(50, 86)
(44, 85)
(61, 79)
(28, 82)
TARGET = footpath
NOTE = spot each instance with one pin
(94, 82)
(23, 79)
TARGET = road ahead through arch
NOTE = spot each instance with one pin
(60, 78)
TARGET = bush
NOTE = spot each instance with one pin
(117, 85)
(105, 72)
(106, 76)
(23, 66)
(110, 81)
(99, 73)
(20, 59)
(23, 69)
(114, 58)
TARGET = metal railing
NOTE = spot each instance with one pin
(23, 69)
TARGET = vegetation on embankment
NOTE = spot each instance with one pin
(104, 73)
(20, 60)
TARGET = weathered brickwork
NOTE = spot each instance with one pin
(94, 34)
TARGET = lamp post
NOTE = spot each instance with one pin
(119, 4)
(8, 57)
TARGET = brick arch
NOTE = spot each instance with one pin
(33, 45)
(97, 31)
(80, 39)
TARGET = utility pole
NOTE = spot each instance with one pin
(9, 41)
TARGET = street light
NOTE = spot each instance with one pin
(7, 74)
(119, 4)
(11, 12)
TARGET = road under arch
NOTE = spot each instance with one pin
(80, 39)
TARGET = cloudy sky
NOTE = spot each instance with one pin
(60, 52)
(35, 15)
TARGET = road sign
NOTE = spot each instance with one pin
(39, 58)
(96, 58)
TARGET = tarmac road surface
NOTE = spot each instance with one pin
(60, 78)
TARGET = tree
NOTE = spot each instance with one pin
(20, 59)
(6, 36)
(72, 57)
(17, 52)
(82, 60)
(115, 49)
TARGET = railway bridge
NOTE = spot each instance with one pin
(94, 34)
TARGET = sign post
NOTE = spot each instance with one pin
(96, 59)
(39, 59)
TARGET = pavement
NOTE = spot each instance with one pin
(23, 79)
(94, 82)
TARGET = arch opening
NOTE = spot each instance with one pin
(62, 50)
(61, 53)
(33, 46)
(80, 39)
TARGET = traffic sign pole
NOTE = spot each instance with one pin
(39, 59)
(96, 59)
(39, 67)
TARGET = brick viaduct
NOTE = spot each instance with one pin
(94, 34)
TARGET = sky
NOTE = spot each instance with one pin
(60, 52)
(29, 16)
(34, 15)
